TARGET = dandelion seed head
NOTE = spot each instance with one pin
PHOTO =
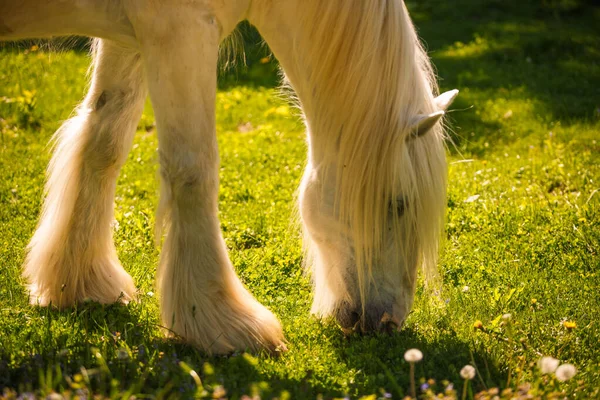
(548, 365)
(413, 355)
(467, 372)
(565, 372)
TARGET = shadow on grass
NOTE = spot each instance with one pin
(133, 354)
(121, 347)
(381, 359)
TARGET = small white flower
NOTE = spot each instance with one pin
(565, 372)
(548, 365)
(467, 372)
(507, 317)
(465, 289)
(150, 294)
(413, 355)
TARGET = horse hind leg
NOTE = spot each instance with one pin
(71, 256)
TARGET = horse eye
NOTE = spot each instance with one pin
(400, 205)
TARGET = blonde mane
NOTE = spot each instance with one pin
(367, 78)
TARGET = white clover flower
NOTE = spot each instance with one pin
(467, 372)
(413, 355)
(507, 317)
(548, 365)
(465, 289)
(565, 372)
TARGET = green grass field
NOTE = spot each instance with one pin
(522, 231)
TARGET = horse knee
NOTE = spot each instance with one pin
(188, 172)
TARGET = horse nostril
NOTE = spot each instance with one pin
(374, 320)
(348, 318)
(379, 320)
(389, 323)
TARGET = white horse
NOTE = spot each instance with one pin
(372, 198)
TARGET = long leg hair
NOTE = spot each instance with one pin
(71, 256)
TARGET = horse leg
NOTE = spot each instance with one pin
(202, 299)
(71, 256)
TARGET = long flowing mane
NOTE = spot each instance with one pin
(368, 78)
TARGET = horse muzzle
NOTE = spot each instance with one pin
(376, 318)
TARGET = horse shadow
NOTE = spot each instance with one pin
(122, 344)
(123, 347)
(381, 360)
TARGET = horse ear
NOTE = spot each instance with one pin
(423, 123)
(444, 100)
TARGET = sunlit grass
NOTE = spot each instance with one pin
(522, 233)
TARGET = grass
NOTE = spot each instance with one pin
(522, 232)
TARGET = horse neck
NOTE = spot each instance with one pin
(355, 79)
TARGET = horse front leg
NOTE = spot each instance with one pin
(71, 256)
(202, 299)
